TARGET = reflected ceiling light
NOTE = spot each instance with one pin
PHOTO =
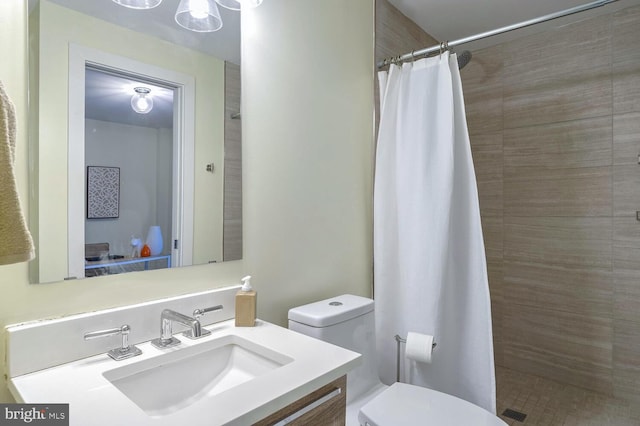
(141, 102)
(238, 4)
(139, 4)
(201, 16)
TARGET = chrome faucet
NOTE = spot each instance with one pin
(195, 331)
(125, 350)
(166, 338)
(197, 313)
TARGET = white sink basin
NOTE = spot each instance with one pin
(172, 381)
(234, 377)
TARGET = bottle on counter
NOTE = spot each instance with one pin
(246, 304)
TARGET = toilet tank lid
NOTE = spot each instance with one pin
(331, 311)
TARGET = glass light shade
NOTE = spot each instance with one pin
(238, 4)
(141, 102)
(201, 16)
(138, 4)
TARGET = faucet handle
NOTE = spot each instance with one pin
(197, 313)
(125, 350)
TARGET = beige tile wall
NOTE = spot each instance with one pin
(554, 124)
(232, 238)
(554, 120)
(395, 34)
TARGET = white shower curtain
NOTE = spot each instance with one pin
(430, 267)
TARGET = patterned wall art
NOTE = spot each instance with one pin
(103, 192)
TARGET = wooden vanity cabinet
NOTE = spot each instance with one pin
(325, 406)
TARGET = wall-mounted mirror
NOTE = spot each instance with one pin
(107, 178)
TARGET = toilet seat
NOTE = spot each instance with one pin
(409, 405)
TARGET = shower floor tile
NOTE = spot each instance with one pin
(549, 403)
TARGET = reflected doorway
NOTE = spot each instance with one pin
(128, 173)
(137, 168)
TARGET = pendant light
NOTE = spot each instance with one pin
(139, 4)
(199, 15)
(141, 102)
(238, 4)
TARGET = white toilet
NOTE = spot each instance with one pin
(348, 321)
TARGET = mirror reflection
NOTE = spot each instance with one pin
(145, 189)
(129, 162)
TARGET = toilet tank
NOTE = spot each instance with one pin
(347, 321)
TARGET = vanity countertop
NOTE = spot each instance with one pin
(95, 401)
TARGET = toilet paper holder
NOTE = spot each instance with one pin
(401, 340)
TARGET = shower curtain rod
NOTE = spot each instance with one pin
(445, 45)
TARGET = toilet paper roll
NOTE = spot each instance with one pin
(419, 347)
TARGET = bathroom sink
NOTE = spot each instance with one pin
(170, 382)
(236, 376)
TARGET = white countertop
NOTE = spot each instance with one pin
(94, 401)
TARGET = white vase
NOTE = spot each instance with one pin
(154, 240)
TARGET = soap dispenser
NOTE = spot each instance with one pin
(246, 304)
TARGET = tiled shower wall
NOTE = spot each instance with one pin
(395, 35)
(232, 238)
(554, 121)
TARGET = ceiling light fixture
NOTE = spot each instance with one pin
(201, 16)
(141, 102)
(239, 4)
(139, 4)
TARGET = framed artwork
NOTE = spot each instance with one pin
(103, 192)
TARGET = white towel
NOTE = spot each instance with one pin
(16, 244)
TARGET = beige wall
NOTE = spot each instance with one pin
(309, 214)
(307, 102)
(554, 129)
